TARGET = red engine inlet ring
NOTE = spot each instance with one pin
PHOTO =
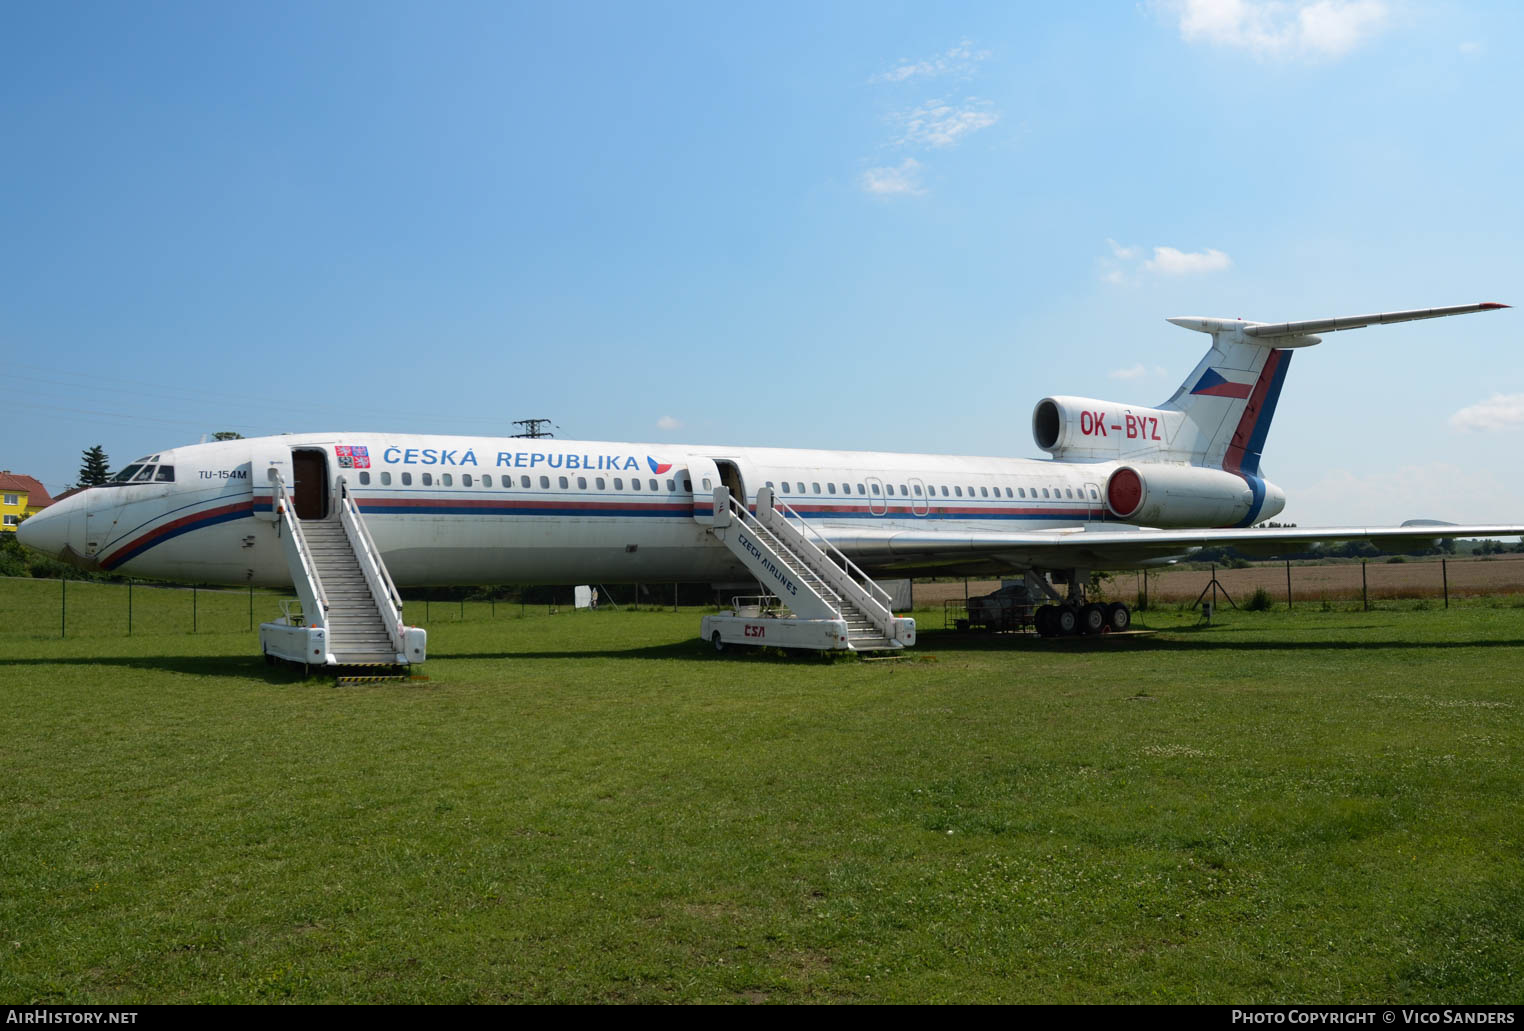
(1124, 492)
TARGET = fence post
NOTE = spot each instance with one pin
(1445, 573)
(1288, 585)
(1365, 599)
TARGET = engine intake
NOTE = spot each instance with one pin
(1180, 496)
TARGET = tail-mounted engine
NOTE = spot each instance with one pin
(1169, 496)
(1083, 429)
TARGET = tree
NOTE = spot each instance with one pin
(96, 469)
(227, 435)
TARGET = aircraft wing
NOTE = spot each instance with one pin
(1116, 546)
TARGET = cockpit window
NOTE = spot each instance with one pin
(127, 473)
(144, 476)
(166, 474)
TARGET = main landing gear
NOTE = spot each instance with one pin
(1068, 619)
(1076, 614)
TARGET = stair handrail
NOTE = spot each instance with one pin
(864, 581)
(285, 507)
(377, 575)
(749, 519)
(369, 544)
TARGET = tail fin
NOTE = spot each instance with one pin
(1229, 399)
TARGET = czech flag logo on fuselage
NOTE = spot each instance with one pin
(657, 467)
(1213, 384)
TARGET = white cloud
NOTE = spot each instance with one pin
(1280, 28)
(894, 181)
(666, 422)
(1137, 371)
(1470, 48)
(1168, 261)
(959, 60)
(938, 123)
(1122, 266)
(1498, 412)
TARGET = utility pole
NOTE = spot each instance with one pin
(534, 428)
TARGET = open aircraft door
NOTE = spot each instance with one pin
(705, 476)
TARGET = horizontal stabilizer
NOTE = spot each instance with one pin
(1292, 329)
(1273, 332)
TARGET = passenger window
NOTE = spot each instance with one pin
(600, 483)
(407, 479)
(769, 485)
(544, 482)
(1045, 492)
(918, 490)
(428, 479)
(875, 488)
(634, 483)
(653, 484)
(830, 488)
(524, 482)
(687, 485)
(465, 479)
(816, 486)
(671, 487)
(582, 483)
(1093, 494)
(1068, 493)
(958, 491)
(447, 480)
(1021, 492)
(904, 490)
(563, 482)
(944, 492)
(365, 479)
(861, 489)
(619, 483)
(386, 479)
(166, 474)
(785, 487)
(889, 489)
(984, 492)
(1008, 492)
(707, 484)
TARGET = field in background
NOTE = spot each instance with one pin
(1310, 582)
(593, 806)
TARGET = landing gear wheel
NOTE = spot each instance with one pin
(1092, 618)
(1043, 621)
(714, 638)
(1066, 621)
(1118, 617)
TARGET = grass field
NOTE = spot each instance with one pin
(595, 807)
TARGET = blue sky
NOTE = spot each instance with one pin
(878, 226)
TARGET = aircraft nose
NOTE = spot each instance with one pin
(58, 531)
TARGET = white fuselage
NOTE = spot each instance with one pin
(478, 510)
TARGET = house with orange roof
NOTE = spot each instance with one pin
(20, 496)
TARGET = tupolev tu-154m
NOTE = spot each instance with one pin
(1124, 487)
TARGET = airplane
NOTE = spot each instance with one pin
(1124, 487)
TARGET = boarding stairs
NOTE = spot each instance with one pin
(807, 572)
(350, 610)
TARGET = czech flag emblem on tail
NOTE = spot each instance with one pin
(657, 467)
